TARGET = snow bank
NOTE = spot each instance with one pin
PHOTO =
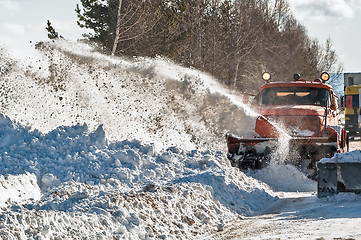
(284, 177)
(94, 187)
(18, 189)
(349, 157)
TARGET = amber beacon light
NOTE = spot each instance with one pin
(266, 76)
(325, 76)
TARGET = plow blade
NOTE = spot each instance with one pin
(235, 144)
(334, 177)
(312, 141)
(256, 152)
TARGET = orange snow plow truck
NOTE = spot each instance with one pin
(304, 114)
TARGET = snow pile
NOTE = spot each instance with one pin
(97, 188)
(284, 177)
(349, 157)
(72, 167)
(18, 189)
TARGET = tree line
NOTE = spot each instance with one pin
(234, 40)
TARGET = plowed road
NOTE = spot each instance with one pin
(301, 215)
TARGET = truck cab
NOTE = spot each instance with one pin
(303, 107)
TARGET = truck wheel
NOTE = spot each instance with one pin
(266, 157)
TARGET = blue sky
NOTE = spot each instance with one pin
(22, 21)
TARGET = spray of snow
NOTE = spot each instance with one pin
(282, 151)
(154, 101)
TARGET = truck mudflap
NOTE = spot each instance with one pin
(336, 177)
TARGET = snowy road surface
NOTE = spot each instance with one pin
(301, 215)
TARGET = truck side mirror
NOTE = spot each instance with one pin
(256, 99)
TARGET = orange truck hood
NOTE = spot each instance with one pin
(293, 110)
(296, 120)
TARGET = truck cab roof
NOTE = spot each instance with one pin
(297, 84)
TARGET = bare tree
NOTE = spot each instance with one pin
(117, 29)
(134, 21)
(327, 58)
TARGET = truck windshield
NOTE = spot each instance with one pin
(295, 96)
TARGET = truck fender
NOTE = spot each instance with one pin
(339, 134)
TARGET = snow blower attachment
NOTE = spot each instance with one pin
(309, 115)
(254, 152)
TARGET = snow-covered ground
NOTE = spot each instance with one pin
(100, 147)
(301, 216)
